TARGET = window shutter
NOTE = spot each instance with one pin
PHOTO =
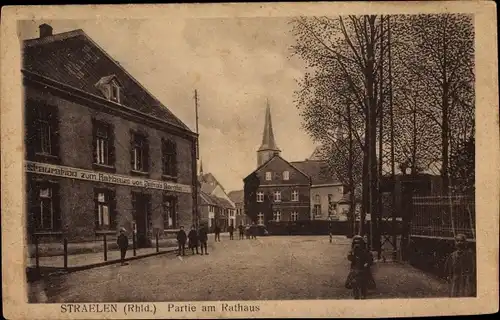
(96, 210)
(94, 140)
(111, 146)
(56, 205)
(163, 158)
(31, 132)
(54, 126)
(174, 159)
(132, 145)
(112, 207)
(146, 155)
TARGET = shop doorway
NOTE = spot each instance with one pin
(142, 215)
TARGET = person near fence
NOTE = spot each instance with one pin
(203, 238)
(241, 228)
(193, 240)
(217, 233)
(181, 241)
(231, 232)
(460, 270)
(359, 276)
(122, 242)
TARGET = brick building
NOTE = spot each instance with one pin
(279, 190)
(101, 152)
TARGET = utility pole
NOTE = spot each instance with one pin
(197, 154)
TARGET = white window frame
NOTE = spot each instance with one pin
(286, 175)
(269, 176)
(295, 195)
(277, 216)
(317, 199)
(260, 219)
(260, 196)
(295, 216)
(102, 144)
(46, 198)
(277, 196)
(112, 96)
(103, 210)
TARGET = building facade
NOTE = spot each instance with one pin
(237, 197)
(101, 152)
(222, 211)
(279, 190)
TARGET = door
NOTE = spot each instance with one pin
(142, 217)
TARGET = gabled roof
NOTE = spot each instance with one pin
(317, 171)
(209, 182)
(207, 199)
(74, 59)
(236, 196)
(271, 159)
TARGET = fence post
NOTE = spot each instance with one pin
(105, 248)
(37, 257)
(157, 245)
(65, 253)
(133, 242)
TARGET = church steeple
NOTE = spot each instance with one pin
(268, 147)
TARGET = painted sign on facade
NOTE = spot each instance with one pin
(88, 175)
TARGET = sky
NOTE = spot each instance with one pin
(234, 63)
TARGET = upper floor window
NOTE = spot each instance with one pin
(260, 196)
(103, 143)
(115, 92)
(139, 153)
(317, 198)
(110, 87)
(169, 149)
(277, 196)
(105, 218)
(268, 176)
(286, 175)
(295, 195)
(42, 127)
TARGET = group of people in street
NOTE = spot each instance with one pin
(195, 238)
(460, 269)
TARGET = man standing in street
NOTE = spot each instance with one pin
(231, 232)
(122, 242)
(241, 228)
(193, 239)
(203, 238)
(181, 240)
(253, 231)
(217, 232)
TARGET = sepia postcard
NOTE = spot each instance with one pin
(252, 160)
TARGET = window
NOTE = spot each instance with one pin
(286, 175)
(103, 144)
(45, 213)
(317, 210)
(104, 209)
(277, 216)
(268, 176)
(42, 127)
(277, 196)
(115, 92)
(169, 213)
(317, 198)
(139, 152)
(295, 216)
(295, 195)
(260, 196)
(169, 158)
(231, 213)
(260, 219)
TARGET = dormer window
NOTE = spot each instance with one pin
(110, 88)
(115, 93)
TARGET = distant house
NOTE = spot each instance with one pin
(279, 190)
(237, 197)
(216, 207)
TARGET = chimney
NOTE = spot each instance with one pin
(45, 30)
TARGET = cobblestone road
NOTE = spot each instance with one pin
(267, 268)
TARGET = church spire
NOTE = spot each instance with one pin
(268, 147)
